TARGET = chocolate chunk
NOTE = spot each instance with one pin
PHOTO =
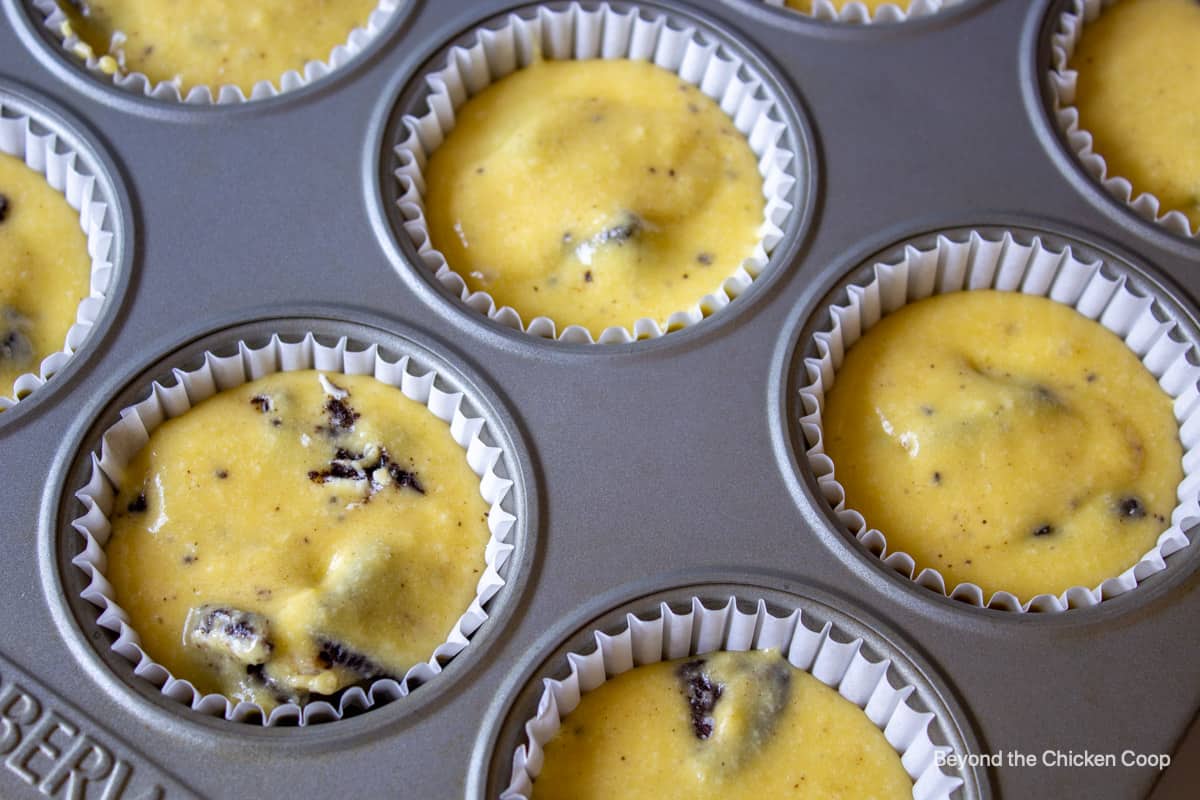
(587, 276)
(341, 415)
(335, 654)
(15, 345)
(702, 696)
(258, 673)
(405, 479)
(231, 633)
(261, 402)
(705, 258)
(3, 207)
(1130, 508)
(222, 474)
(1043, 530)
(937, 478)
(138, 504)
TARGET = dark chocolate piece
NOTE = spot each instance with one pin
(332, 653)
(1043, 530)
(1130, 508)
(15, 345)
(341, 415)
(3, 207)
(702, 696)
(261, 402)
(138, 504)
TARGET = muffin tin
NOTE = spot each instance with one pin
(646, 472)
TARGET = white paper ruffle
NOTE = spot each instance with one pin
(1063, 83)
(575, 33)
(842, 666)
(37, 142)
(138, 83)
(856, 12)
(1099, 293)
(121, 443)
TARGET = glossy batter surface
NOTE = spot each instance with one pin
(725, 726)
(1005, 440)
(594, 193)
(297, 534)
(1139, 97)
(45, 270)
(217, 42)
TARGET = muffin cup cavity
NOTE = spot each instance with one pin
(855, 12)
(109, 66)
(698, 56)
(837, 659)
(122, 441)
(1062, 82)
(40, 142)
(1098, 289)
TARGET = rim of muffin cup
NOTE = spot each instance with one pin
(711, 59)
(857, 13)
(865, 667)
(1068, 23)
(413, 372)
(1102, 287)
(108, 66)
(49, 146)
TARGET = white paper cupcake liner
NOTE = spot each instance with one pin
(645, 34)
(138, 83)
(1063, 82)
(121, 443)
(856, 12)
(1099, 293)
(36, 140)
(841, 666)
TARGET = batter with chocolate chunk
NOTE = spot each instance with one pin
(1004, 440)
(723, 726)
(214, 42)
(594, 193)
(44, 270)
(296, 535)
(1139, 98)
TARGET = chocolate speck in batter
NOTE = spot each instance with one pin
(138, 504)
(1130, 508)
(3, 207)
(705, 258)
(261, 402)
(1043, 530)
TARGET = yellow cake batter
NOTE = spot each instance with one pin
(1139, 97)
(297, 534)
(806, 6)
(44, 270)
(725, 726)
(216, 42)
(1005, 440)
(594, 193)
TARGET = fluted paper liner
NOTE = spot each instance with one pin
(121, 443)
(1063, 82)
(859, 13)
(37, 141)
(1098, 291)
(135, 82)
(646, 34)
(842, 666)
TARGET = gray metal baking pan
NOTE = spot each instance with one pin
(649, 468)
